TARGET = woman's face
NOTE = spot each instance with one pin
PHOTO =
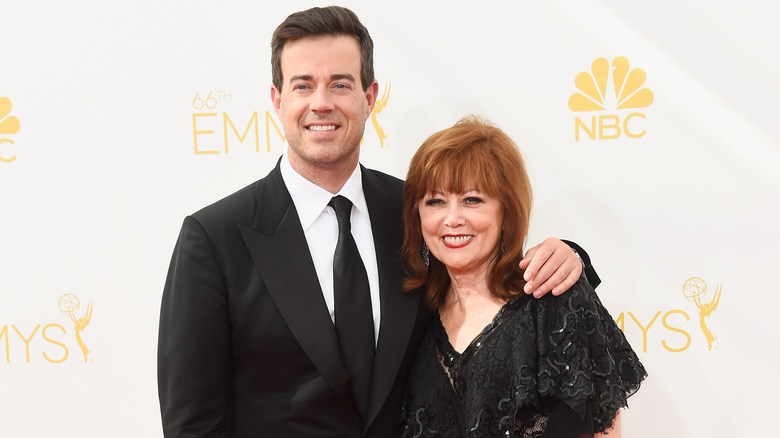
(461, 229)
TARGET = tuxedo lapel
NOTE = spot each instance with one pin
(399, 310)
(281, 256)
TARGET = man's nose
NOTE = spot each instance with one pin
(321, 100)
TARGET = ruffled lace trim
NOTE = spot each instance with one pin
(586, 356)
(534, 355)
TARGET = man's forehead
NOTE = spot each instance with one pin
(332, 56)
(322, 42)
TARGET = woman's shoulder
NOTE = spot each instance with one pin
(599, 365)
(581, 297)
(580, 293)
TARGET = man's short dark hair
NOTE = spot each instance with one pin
(314, 22)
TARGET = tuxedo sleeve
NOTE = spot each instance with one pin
(588, 269)
(194, 345)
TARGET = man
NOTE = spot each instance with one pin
(247, 343)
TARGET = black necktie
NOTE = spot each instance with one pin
(354, 319)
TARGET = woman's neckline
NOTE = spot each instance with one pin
(478, 340)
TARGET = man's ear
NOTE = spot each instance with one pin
(371, 93)
(276, 100)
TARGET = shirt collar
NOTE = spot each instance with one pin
(311, 200)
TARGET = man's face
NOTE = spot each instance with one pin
(322, 105)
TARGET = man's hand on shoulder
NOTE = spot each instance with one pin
(550, 266)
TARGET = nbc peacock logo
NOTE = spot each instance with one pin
(613, 87)
(8, 125)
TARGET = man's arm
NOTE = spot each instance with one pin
(194, 348)
(555, 265)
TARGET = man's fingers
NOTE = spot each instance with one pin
(574, 274)
(538, 256)
(568, 282)
(563, 278)
(553, 266)
(552, 273)
(541, 264)
(527, 261)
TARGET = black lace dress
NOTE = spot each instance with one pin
(552, 367)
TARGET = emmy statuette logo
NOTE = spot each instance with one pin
(610, 87)
(381, 103)
(69, 305)
(8, 125)
(695, 289)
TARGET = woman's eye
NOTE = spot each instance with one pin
(433, 202)
(473, 200)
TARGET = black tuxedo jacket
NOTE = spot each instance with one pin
(246, 345)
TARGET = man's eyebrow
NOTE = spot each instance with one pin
(340, 76)
(333, 77)
(305, 77)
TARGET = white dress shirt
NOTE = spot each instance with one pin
(321, 229)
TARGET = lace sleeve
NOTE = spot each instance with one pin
(584, 358)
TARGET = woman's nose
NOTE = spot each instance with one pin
(454, 217)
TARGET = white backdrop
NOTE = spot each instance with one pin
(108, 111)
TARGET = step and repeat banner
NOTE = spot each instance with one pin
(649, 128)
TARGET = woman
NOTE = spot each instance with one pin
(497, 362)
